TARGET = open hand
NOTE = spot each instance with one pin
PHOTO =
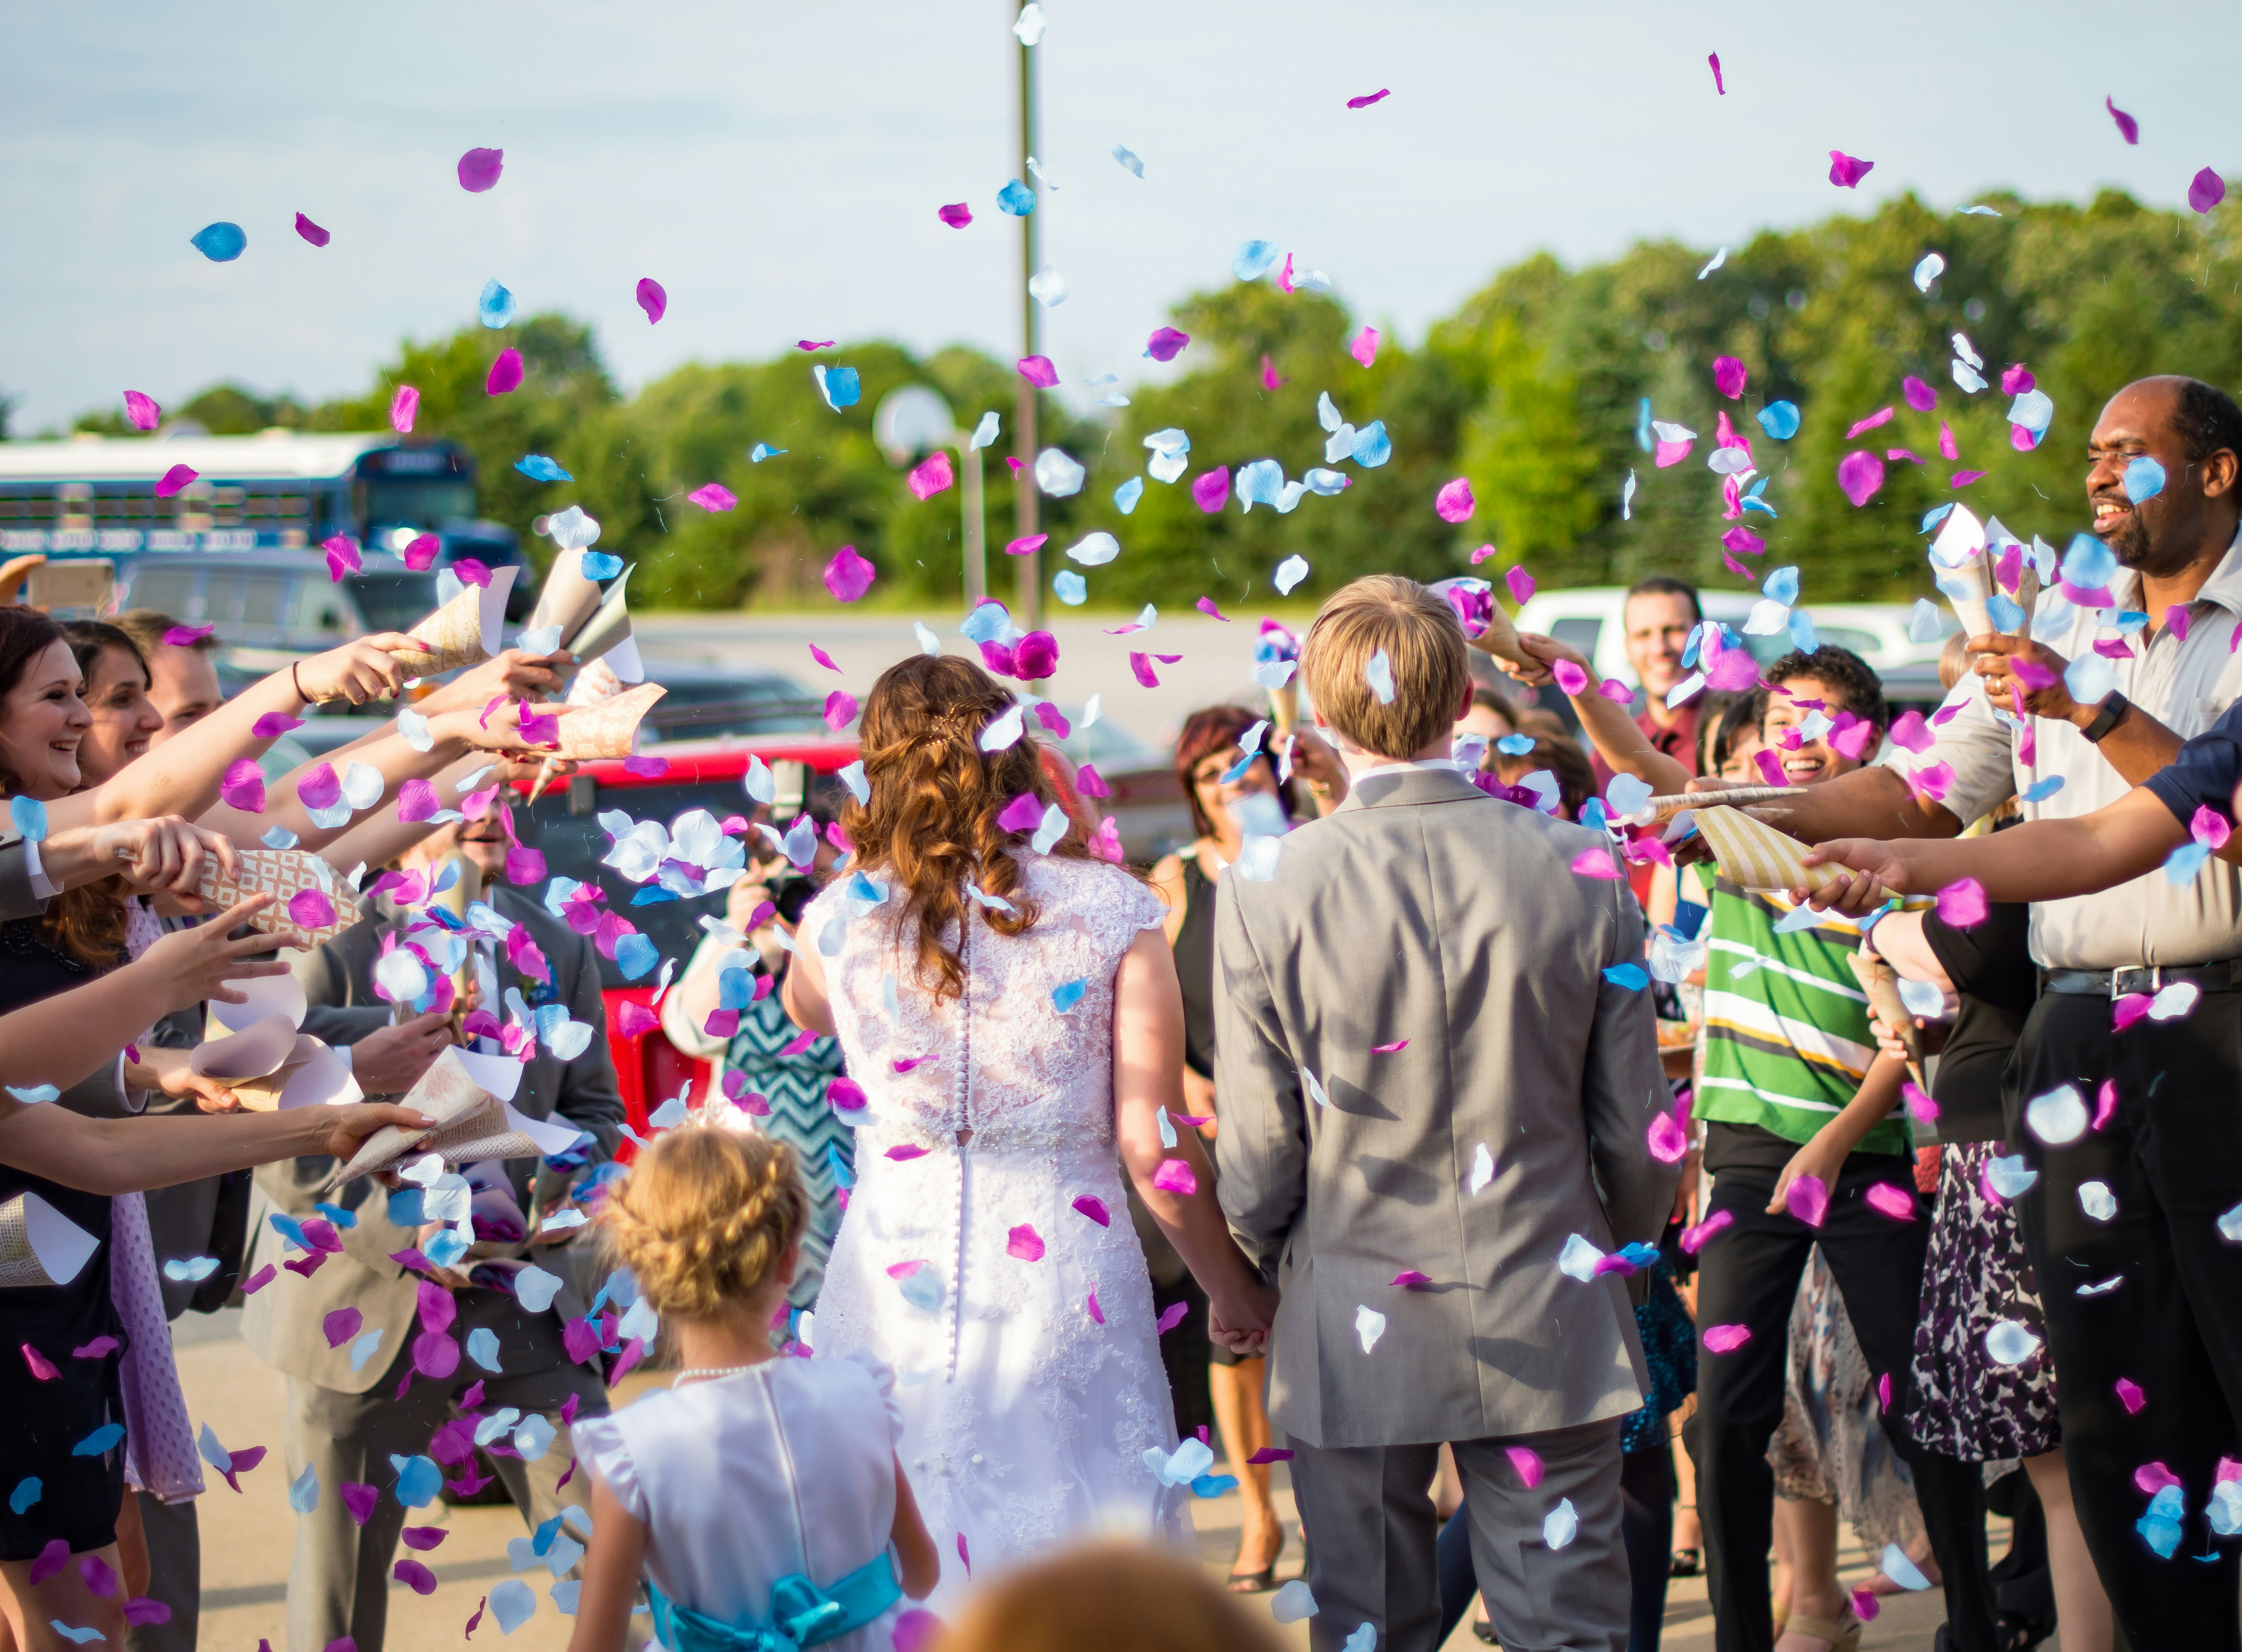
(1872, 873)
(511, 672)
(188, 966)
(389, 1061)
(1818, 1158)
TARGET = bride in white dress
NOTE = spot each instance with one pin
(1013, 1020)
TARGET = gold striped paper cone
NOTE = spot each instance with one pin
(1755, 856)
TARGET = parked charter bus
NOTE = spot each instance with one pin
(238, 547)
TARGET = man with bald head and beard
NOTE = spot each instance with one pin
(2134, 1169)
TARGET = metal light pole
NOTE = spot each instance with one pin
(1028, 605)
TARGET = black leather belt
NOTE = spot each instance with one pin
(2118, 983)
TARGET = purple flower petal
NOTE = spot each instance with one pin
(1035, 656)
(434, 1354)
(1962, 904)
(1409, 1278)
(2206, 190)
(1726, 1339)
(141, 411)
(1730, 376)
(2128, 127)
(1037, 371)
(1023, 813)
(1920, 396)
(1094, 1208)
(416, 800)
(360, 1501)
(1808, 1199)
(312, 232)
(957, 214)
(140, 1611)
(846, 1095)
(652, 298)
(1211, 490)
(1668, 1141)
(1888, 1198)
(932, 476)
(1846, 170)
(848, 575)
(1364, 346)
(1454, 502)
(404, 407)
(1368, 99)
(714, 497)
(243, 788)
(1860, 475)
(504, 374)
(1882, 416)
(309, 909)
(172, 480)
(1142, 665)
(1166, 344)
(414, 1576)
(478, 169)
(1714, 58)
(341, 1325)
(840, 709)
(343, 556)
(319, 789)
(1174, 1176)
(1025, 1243)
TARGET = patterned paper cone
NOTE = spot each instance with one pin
(454, 636)
(287, 873)
(567, 598)
(609, 624)
(605, 730)
(446, 1094)
(39, 1245)
(1285, 707)
(1755, 856)
(1881, 982)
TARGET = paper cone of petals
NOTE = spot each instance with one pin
(1881, 982)
(286, 873)
(466, 1095)
(1969, 589)
(39, 1245)
(608, 728)
(465, 631)
(567, 597)
(609, 626)
(1756, 857)
(1500, 638)
(254, 1050)
(1285, 707)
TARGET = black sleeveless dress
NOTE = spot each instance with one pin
(77, 1497)
(1194, 952)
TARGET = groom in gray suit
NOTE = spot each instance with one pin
(1429, 1085)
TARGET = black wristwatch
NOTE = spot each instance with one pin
(2107, 718)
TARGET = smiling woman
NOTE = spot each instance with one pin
(42, 719)
(115, 689)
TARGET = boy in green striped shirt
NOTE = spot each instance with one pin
(1803, 1121)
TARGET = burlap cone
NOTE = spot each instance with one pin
(605, 730)
(39, 1245)
(287, 873)
(1755, 856)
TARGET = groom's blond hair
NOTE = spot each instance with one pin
(1424, 650)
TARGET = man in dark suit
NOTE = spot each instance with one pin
(352, 1406)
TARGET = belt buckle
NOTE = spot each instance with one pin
(2155, 972)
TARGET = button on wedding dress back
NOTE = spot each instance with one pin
(986, 1253)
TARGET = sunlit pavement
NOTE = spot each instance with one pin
(247, 1539)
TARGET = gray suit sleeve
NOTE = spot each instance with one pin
(589, 1098)
(1623, 1089)
(335, 1014)
(342, 1026)
(16, 898)
(1261, 1147)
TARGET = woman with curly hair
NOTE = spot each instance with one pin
(1009, 1011)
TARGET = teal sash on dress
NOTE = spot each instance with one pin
(802, 1615)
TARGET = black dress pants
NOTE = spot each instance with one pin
(1748, 1275)
(2152, 1294)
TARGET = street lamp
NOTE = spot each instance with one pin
(1028, 26)
(915, 419)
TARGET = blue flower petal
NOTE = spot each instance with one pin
(221, 243)
(1779, 419)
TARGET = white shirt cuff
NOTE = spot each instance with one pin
(40, 886)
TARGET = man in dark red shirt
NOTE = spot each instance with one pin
(1656, 619)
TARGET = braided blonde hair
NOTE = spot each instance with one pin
(704, 1217)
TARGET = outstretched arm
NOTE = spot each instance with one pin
(2041, 860)
(1618, 742)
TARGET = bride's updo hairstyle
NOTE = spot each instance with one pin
(931, 821)
(703, 1217)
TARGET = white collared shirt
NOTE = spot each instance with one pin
(1400, 767)
(2184, 685)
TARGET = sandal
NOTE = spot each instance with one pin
(1685, 1562)
(1259, 1583)
(1842, 1637)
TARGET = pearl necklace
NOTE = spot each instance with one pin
(713, 1371)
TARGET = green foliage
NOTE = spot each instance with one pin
(1534, 391)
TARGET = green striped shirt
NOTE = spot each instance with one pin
(1787, 1035)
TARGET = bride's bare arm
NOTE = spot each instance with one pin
(1148, 1065)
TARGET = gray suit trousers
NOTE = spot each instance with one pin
(338, 1583)
(1372, 1529)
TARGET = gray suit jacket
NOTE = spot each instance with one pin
(17, 899)
(1423, 909)
(283, 1324)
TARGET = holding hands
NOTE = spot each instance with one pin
(360, 670)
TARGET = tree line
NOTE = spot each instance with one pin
(1538, 390)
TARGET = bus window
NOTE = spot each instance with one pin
(262, 606)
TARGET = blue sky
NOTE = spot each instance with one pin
(778, 167)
